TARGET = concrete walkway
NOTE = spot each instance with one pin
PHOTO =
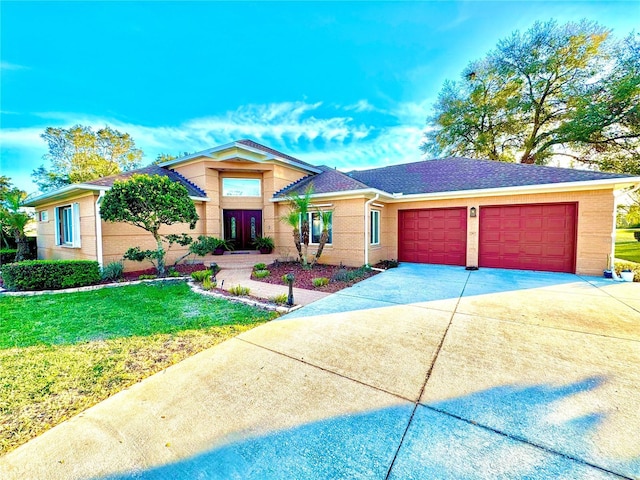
(420, 372)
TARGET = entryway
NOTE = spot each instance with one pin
(241, 227)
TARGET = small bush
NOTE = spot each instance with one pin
(280, 299)
(260, 266)
(320, 281)
(200, 275)
(208, 284)
(113, 271)
(261, 273)
(147, 277)
(50, 274)
(174, 273)
(7, 255)
(344, 275)
(636, 235)
(386, 264)
(239, 290)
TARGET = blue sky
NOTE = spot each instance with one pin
(343, 84)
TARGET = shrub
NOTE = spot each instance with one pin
(280, 299)
(200, 275)
(320, 281)
(50, 274)
(344, 275)
(113, 271)
(146, 276)
(239, 290)
(634, 267)
(261, 273)
(386, 264)
(208, 284)
(174, 273)
(260, 266)
(7, 255)
(636, 235)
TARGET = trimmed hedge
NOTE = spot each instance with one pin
(50, 274)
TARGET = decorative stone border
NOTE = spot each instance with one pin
(195, 288)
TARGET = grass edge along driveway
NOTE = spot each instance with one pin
(627, 247)
(62, 353)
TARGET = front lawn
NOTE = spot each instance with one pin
(627, 247)
(62, 353)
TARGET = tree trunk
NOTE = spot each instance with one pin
(22, 245)
(160, 256)
(323, 241)
(296, 240)
(305, 241)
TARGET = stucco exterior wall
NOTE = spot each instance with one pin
(46, 241)
(594, 229)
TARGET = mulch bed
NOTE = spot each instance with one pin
(184, 269)
(304, 278)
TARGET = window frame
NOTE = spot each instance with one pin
(310, 220)
(43, 216)
(374, 232)
(225, 189)
(67, 225)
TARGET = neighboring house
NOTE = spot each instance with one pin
(454, 211)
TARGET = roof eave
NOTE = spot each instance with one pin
(63, 192)
(340, 193)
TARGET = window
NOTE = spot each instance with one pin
(374, 232)
(68, 225)
(315, 227)
(241, 187)
(43, 216)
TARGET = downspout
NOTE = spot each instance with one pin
(99, 228)
(366, 227)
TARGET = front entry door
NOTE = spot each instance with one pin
(241, 227)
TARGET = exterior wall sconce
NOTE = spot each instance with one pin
(473, 212)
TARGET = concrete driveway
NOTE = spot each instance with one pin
(420, 372)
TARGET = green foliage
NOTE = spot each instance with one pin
(7, 255)
(554, 90)
(263, 243)
(208, 284)
(320, 281)
(174, 273)
(149, 202)
(203, 246)
(632, 266)
(298, 219)
(386, 264)
(284, 279)
(113, 271)
(260, 266)
(79, 154)
(279, 299)
(200, 275)
(146, 276)
(239, 290)
(13, 218)
(50, 274)
(261, 273)
(344, 275)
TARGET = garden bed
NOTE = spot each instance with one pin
(304, 277)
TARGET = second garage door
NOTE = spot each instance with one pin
(435, 235)
(529, 237)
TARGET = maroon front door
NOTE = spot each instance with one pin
(241, 227)
(434, 235)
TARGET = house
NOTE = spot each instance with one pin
(453, 211)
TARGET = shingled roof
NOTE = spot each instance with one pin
(459, 174)
(194, 191)
(328, 180)
(250, 143)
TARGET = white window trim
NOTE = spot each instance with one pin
(373, 213)
(310, 220)
(43, 216)
(76, 239)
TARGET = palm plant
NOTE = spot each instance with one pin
(293, 220)
(15, 221)
(300, 207)
(324, 236)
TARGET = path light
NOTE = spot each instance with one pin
(290, 278)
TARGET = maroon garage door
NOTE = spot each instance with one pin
(436, 235)
(529, 237)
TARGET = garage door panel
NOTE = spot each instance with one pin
(439, 236)
(530, 237)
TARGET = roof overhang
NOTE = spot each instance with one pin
(609, 183)
(215, 153)
(74, 190)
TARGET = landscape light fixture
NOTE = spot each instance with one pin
(473, 212)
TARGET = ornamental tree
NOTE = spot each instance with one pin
(149, 202)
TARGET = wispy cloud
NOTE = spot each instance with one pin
(348, 137)
(11, 66)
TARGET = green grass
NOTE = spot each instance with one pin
(62, 353)
(627, 247)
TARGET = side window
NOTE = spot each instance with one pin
(374, 237)
(316, 227)
(68, 225)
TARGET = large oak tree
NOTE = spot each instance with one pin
(570, 90)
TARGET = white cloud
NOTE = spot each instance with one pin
(342, 137)
(11, 66)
